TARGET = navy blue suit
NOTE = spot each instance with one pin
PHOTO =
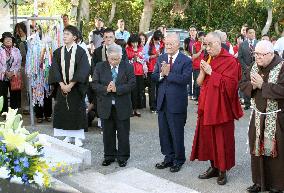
(172, 104)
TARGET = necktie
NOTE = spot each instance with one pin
(171, 62)
(114, 74)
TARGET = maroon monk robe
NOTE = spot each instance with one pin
(218, 108)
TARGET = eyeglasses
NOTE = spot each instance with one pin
(109, 37)
(260, 55)
(208, 44)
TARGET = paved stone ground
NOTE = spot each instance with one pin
(145, 153)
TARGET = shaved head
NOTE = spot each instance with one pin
(212, 41)
(264, 46)
(263, 53)
(215, 36)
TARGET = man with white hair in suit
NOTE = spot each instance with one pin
(264, 83)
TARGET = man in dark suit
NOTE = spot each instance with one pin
(99, 54)
(246, 57)
(113, 81)
(172, 74)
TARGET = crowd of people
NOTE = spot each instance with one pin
(111, 78)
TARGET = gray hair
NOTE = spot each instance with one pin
(114, 49)
(265, 45)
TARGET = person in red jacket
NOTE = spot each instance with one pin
(197, 55)
(134, 51)
(154, 49)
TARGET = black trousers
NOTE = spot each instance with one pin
(45, 110)
(15, 96)
(110, 126)
(138, 93)
(152, 92)
(196, 88)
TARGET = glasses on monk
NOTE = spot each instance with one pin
(260, 55)
(208, 44)
(114, 59)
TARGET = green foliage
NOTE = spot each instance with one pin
(207, 15)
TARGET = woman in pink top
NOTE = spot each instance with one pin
(10, 64)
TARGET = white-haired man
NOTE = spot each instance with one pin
(264, 83)
(113, 81)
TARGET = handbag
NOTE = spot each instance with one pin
(16, 82)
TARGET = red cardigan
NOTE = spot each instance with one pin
(137, 65)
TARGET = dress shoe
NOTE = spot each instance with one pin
(107, 162)
(48, 119)
(39, 120)
(137, 114)
(254, 188)
(175, 168)
(210, 173)
(275, 191)
(164, 165)
(222, 178)
(122, 163)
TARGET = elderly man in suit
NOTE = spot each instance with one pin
(246, 57)
(172, 74)
(113, 81)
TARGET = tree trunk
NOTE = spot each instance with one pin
(112, 11)
(268, 21)
(146, 16)
(276, 28)
(79, 13)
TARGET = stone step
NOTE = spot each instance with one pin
(147, 182)
(94, 182)
(62, 187)
(66, 154)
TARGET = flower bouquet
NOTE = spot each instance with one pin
(21, 156)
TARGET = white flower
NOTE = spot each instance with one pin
(4, 172)
(30, 150)
(38, 178)
(17, 180)
(42, 140)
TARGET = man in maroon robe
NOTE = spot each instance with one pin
(218, 107)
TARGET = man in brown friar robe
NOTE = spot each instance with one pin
(264, 82)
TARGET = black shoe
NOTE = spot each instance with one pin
(275, 191)
(39, 120)
(175, 168)
(222, 178)
(164, 165)
(246, 108)
(107, 162)
(210, 173)
(122, 163)
(254, 188)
